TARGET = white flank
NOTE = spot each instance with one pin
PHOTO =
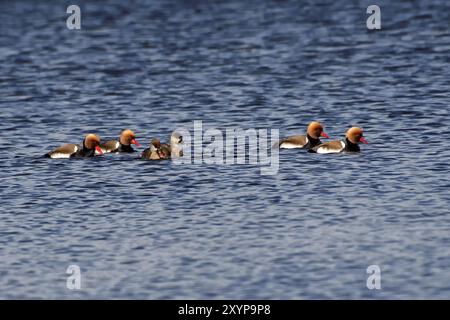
(60, 155)
(288, 145)
(329, 150)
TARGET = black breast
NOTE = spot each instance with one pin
(351, 147)
(312, 142)
(84, 153)
(124, 148)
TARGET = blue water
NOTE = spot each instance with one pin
(156, 230)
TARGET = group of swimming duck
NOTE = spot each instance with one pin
(310, 141)
(92, 146)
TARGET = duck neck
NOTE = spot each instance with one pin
(86, 152)
(86, 149)
(313, 141)
(350, 146)
(126, 148)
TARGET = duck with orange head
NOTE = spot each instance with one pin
(353, 137)
(304, 141)
(126, 139)
(91, 145)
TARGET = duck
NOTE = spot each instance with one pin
(126, 139)
(156, 151)
(91, 144)
(304, 141)
(165, 151)
(175, 145)
(353, 137)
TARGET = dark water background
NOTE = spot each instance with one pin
(156, 230)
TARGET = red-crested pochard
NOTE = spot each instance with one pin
(353, 136)
(91, 144)
(156, 151)
(127, 138)
(304, 141)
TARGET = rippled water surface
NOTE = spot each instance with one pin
(153, 230)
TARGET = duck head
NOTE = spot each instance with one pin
(92, 141)
(355, 135)
(315, 130)
(155, 144)
(128, 137)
